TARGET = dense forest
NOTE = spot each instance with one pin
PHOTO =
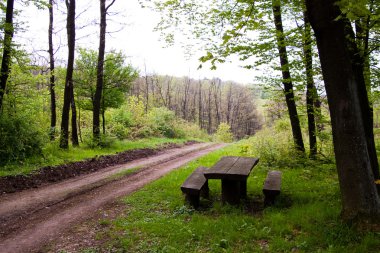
(316, 68)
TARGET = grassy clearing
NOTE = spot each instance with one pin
(304, 219)
(53, 155)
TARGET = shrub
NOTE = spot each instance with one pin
(20, 138)
(223, 133)
(162, 121)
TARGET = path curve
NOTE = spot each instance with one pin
(31, 219)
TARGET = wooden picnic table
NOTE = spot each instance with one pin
(233, 172)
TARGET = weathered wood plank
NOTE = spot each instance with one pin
(273, 181)
(220, 169)
(242, 168)
(194, 182)
(272, 187)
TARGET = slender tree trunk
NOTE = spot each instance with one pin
(53, 113)
(288, 85)
(200, 115)
(7, 43)
(74, 125)
(100, 73)
(311, 91)
(209, 127)
(104, 121)
(79, 126)
(346, 91)
(67, 97)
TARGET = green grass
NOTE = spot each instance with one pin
(53, 155)
(305, 217)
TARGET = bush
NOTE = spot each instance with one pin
(223, 133)
(20, 138)
(162, 122)
(274, 146)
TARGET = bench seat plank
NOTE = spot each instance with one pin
(272, 186)
(194, 182)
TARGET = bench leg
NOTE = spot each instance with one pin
(205, 191)
(193, 200)
(231, 191)
(270, 197)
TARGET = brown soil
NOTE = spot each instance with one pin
(51, 174)
(32, 219)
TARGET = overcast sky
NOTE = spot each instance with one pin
(136, 39)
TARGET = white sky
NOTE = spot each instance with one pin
(137, 40)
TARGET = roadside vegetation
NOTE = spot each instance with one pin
(305, 217)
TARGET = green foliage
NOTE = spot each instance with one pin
(20, 138)
(162, 121)
(130, 121)
(117, 78)
(223, 133)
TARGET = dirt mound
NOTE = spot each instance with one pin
(51, 174)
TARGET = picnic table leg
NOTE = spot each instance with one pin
(230, 191)
(243, 189)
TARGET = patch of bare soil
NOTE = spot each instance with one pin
(34, 218)
(51, 174)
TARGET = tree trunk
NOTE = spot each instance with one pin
(74, 125)
(311, 92)
(209, 127)
(288, 85)
(346, 92)
(67, 97)
(100, 73)
(7, 43)
(104, 122)
(362, 63)
(53, 113)
(200, 115)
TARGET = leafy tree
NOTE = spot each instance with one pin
(241, 28)
(348, 102)
(118, 78)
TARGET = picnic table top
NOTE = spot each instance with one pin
(232, 168)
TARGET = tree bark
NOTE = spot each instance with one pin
(74, 125)
(53, 113)
(200, 110)
(67, 97)
(100, 73)
(311, 92)
(362, 66)
(345, 88)
(7, 43)
(286, 77)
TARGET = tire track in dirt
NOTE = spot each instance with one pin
(39, 220)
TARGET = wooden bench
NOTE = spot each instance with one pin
(272, 187)
(196, 185)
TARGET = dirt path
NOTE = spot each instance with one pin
(31, 219)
